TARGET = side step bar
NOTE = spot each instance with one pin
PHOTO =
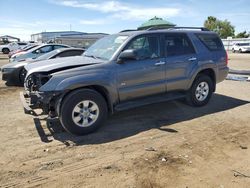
(149, 100)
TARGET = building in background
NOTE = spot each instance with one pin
(46, 36)
(78, 40)
(156, 23)
(71, 38)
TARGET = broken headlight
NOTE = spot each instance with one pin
(34, 81)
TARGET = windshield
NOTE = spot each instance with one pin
(28, 47)
(105, 47)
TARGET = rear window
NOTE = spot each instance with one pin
(212, 42)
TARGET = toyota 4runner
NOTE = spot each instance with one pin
(126, 70)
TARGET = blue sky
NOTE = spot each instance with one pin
(23, 17)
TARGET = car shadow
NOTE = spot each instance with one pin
(131, 122)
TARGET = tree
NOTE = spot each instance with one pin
(243, 34)
(223, 28)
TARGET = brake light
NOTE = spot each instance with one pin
(226, 58)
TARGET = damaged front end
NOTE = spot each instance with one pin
(32, 98)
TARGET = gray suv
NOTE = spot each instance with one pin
(126, 70)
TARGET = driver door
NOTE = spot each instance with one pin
(146, 75)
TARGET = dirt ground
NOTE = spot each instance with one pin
(162, 145)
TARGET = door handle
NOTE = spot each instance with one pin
(160, 63)
(192, 59)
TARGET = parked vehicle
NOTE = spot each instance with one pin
(241, 47)
(22, 50)
(6, 48)
(37, 51)
(126, 70)
(15, 73)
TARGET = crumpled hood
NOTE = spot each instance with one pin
(60, 64)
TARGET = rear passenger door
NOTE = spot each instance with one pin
(180, 59)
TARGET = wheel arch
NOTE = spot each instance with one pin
(209, 72)
(98, 88)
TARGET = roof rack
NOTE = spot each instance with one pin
(172, 28)
(127, 30)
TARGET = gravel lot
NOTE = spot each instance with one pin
(162, 145)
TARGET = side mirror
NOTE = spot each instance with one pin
(127, 55)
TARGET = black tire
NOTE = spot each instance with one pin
(71, 101)
(191, 94)
(5, 50)
(22, 75)
(233, 50)
(240, 51)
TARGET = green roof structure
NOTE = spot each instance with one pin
(156, 22)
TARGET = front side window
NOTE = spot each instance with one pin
(178, 44)
(45, 49)
(146, 47)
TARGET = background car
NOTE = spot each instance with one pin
(15, 73)
(22, 50)
(241, 47)
(6, 48)
(37, 51)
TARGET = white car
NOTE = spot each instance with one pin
(241, 47)
(6, 48)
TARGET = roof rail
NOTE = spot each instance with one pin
(127, 30)
(172, 28)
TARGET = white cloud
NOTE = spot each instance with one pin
(122, 10)
(146, 13)
(93, 22)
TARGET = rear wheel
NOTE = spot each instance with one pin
(240, 51)
(5, 50)
(200, 92)
(233, 50)
(83, 111)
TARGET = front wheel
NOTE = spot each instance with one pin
(83, 111)
(200, 92)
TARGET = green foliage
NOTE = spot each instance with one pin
(243, 34)
(223, 28)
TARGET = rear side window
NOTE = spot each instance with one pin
(59, 46)
(178, 44)
(22, 43)
(70, 53)
(211, 41)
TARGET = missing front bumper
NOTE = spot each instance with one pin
(26, 104)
